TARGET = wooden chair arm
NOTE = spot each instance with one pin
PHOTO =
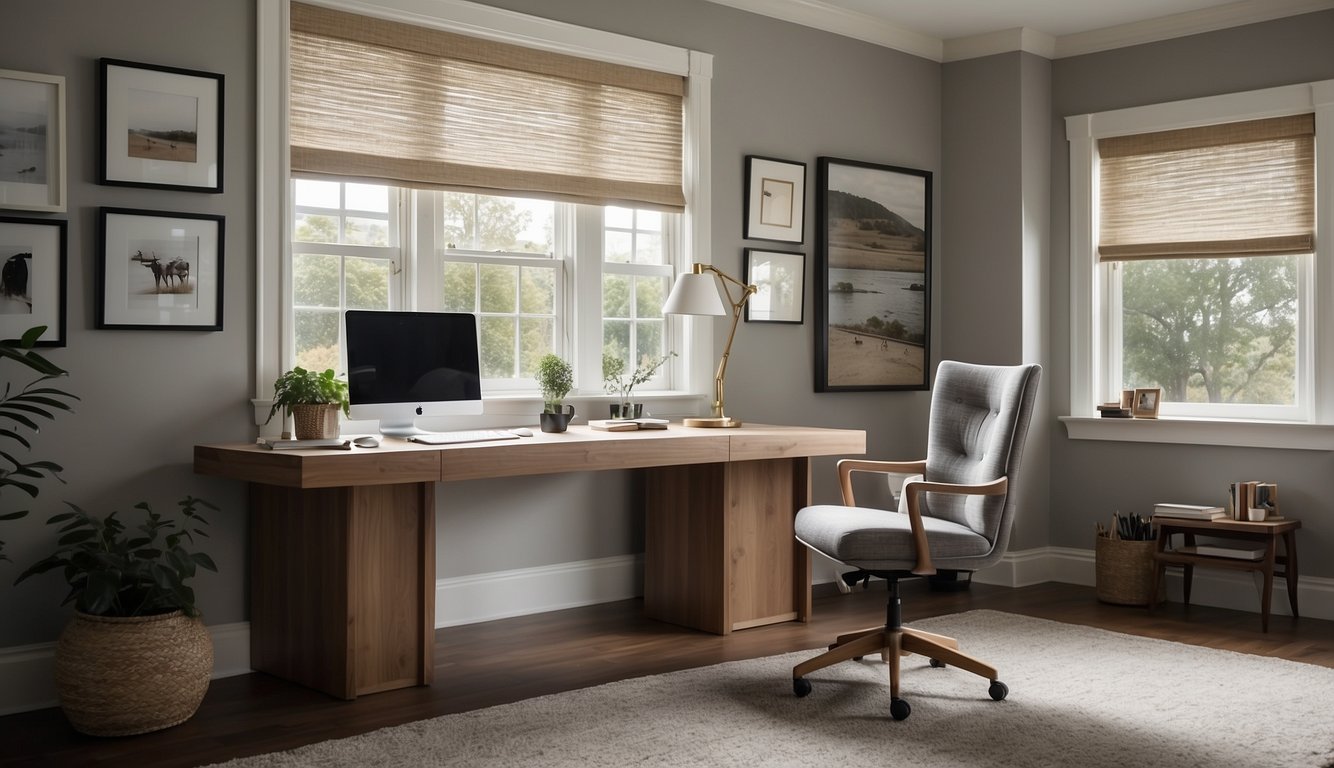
(914, 490)
(847, 466)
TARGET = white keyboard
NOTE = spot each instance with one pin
(464, 436)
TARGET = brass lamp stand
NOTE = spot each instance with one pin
(697, 294)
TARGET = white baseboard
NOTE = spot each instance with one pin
(27, 674)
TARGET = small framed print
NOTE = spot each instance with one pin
(1147, 402)
(160, 271)
(32, 141)
(775, 199)
(161, 127)
(780, 281)
(32, 279)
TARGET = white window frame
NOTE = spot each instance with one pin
(1092, 330)
(692, 373)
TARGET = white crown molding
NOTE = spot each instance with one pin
(830, 18)
(841, 21)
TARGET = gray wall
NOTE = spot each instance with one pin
(147, 396)
(1092, 479)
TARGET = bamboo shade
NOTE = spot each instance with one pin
(1237, 189)
(411, 106)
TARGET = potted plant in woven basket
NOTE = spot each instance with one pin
(136, 657)
(313, 399)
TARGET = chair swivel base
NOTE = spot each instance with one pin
(892, 643)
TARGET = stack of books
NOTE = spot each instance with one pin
(1189, 511)
(1113, 411)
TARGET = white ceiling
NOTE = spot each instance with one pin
(947, 30)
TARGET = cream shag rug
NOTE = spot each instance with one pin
(1078, 697)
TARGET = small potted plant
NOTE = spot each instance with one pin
(136, 657)
(616, 382)
(556, 378)
(313, 399)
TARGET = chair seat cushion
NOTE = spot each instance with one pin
(878, 539)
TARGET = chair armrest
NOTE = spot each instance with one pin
(915, 488)
(847, 466)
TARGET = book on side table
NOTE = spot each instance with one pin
(1189, 511)
(1237, 551)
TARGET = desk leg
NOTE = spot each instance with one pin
(342, 580)
(1290, 568)
(720, 553)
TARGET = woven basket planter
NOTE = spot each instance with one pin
(315, 422)
(118, 676)
(1124, 571)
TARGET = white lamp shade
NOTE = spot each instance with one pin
(694, 294)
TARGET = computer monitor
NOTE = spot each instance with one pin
(402, 365)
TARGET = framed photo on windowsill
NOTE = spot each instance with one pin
(32, 278)
(160, 271)
(780, 280)
(161, 127)
(775, 200)
(32, 141)
(873, 295)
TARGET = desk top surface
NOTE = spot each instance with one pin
(580, 448)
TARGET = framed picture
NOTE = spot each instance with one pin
(1147, 401)
(32, 141)
(874, 293)
(775, 199)
(32, 278)
(780, 280)
(161, 127)
(160, 271)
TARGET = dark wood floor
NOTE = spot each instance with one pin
(497, 662)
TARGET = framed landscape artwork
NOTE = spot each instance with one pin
(160, 271)
(32, 278)
(775, 200)
(874, 290)
(780, 281)
(32, 141)
(161, 127)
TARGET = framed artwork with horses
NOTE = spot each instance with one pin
(32, 278)
(160, 271)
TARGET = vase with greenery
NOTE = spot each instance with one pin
(313, 399)
(136, 657)
(21, 408)
(617, 382)
(555, 377)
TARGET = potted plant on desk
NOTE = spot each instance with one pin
(616, 382)
(313, 399)
(556, 378)
(136, 657)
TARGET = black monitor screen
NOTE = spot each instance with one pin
(425, 359)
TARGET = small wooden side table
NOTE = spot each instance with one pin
(1267, 532)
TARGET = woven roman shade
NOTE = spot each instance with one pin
(406, 105)
(1236, 189)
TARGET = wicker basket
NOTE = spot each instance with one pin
(315, 422)
(118, 676)
(1125, 571)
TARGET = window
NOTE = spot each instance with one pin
(1193, 257)
(541, 290)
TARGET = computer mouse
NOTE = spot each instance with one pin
(522, 431)
(367, 441)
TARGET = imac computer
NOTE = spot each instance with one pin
(402, 365)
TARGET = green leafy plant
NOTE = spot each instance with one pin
(21, 409)
(302, 387)
(615, 380)
(556, 378)
(115, 570)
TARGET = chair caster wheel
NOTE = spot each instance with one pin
(801, 687)
(998, 690)
(858, 658)
(899, 709)
(938, 664)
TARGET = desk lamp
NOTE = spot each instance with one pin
(696, 293)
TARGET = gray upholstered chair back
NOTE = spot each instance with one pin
(979, 422)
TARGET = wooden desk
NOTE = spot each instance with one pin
(342, 543)
(1265, 532)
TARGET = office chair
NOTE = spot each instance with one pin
(958, 515)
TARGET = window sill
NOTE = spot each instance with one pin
(1248, 434)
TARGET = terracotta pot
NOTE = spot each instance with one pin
(122, 675)
(315, 421)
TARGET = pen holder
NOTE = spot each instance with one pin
(556, 422)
